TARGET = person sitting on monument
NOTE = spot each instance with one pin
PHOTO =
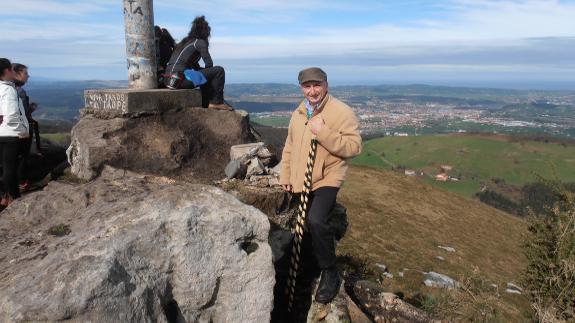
(186, 57)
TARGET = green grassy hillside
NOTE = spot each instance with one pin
(400, 222)
(476, 159)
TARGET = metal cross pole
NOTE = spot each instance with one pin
(140, 44)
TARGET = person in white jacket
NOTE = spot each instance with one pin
(14, 127)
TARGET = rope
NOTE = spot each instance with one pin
(300, 222)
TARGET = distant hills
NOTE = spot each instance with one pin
(63, 99)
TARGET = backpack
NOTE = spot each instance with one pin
(165, 45)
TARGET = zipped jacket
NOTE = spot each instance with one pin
(188, 56)
(14, 122)
(338, 140)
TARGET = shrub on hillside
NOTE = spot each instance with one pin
(498, 201)
(550, 250)
(540, 197)
(475, 300)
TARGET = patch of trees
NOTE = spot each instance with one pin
(538, 198)
(498, 201)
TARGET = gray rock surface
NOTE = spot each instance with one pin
(245, 152)
(264, 153)
(513, 289)
(334, 312)
(433, 279)
(381, 267)
(190, 143)
(255, 167)
(276, 170)
(447, 248)
(134, 248)
(273, 181)
(234, 169)
(90, 147)
(386, 307)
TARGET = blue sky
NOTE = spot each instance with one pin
(456, 42)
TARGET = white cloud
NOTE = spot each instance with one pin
(472, 35)
(60, 31)
(261, 12)
(42, 8)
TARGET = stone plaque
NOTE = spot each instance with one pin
(113, 103)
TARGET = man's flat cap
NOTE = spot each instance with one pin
(312, 74)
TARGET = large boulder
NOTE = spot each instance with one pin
(190, 143)
(134, 248)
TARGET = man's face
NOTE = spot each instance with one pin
(22, 76)
(314, 91)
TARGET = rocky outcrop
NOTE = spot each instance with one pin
(52, 157)
(190, 143)
(254, 163)
(334, 312)
(386, 307)
(134, 248)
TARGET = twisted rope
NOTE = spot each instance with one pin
(299, 225)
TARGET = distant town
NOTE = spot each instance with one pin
(527, 112)
(392, 110)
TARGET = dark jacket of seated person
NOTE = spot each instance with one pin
(187, 55)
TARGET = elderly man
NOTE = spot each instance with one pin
(335, 127)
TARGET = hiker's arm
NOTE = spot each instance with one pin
(286, 160)
(344, 142)
(10, 110)
(202, 47)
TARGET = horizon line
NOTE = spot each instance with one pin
(562, 86)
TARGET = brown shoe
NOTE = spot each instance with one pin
(221, 106)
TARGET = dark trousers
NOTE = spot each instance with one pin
(9, 150)
(317, 220)
(213, 90)
(25, 145)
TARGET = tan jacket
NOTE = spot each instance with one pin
(338, 140)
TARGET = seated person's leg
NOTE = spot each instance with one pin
(216, 77)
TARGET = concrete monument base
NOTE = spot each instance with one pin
(113, 103)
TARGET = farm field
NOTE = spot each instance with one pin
(475, 159)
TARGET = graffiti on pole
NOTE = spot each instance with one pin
(133, 11)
